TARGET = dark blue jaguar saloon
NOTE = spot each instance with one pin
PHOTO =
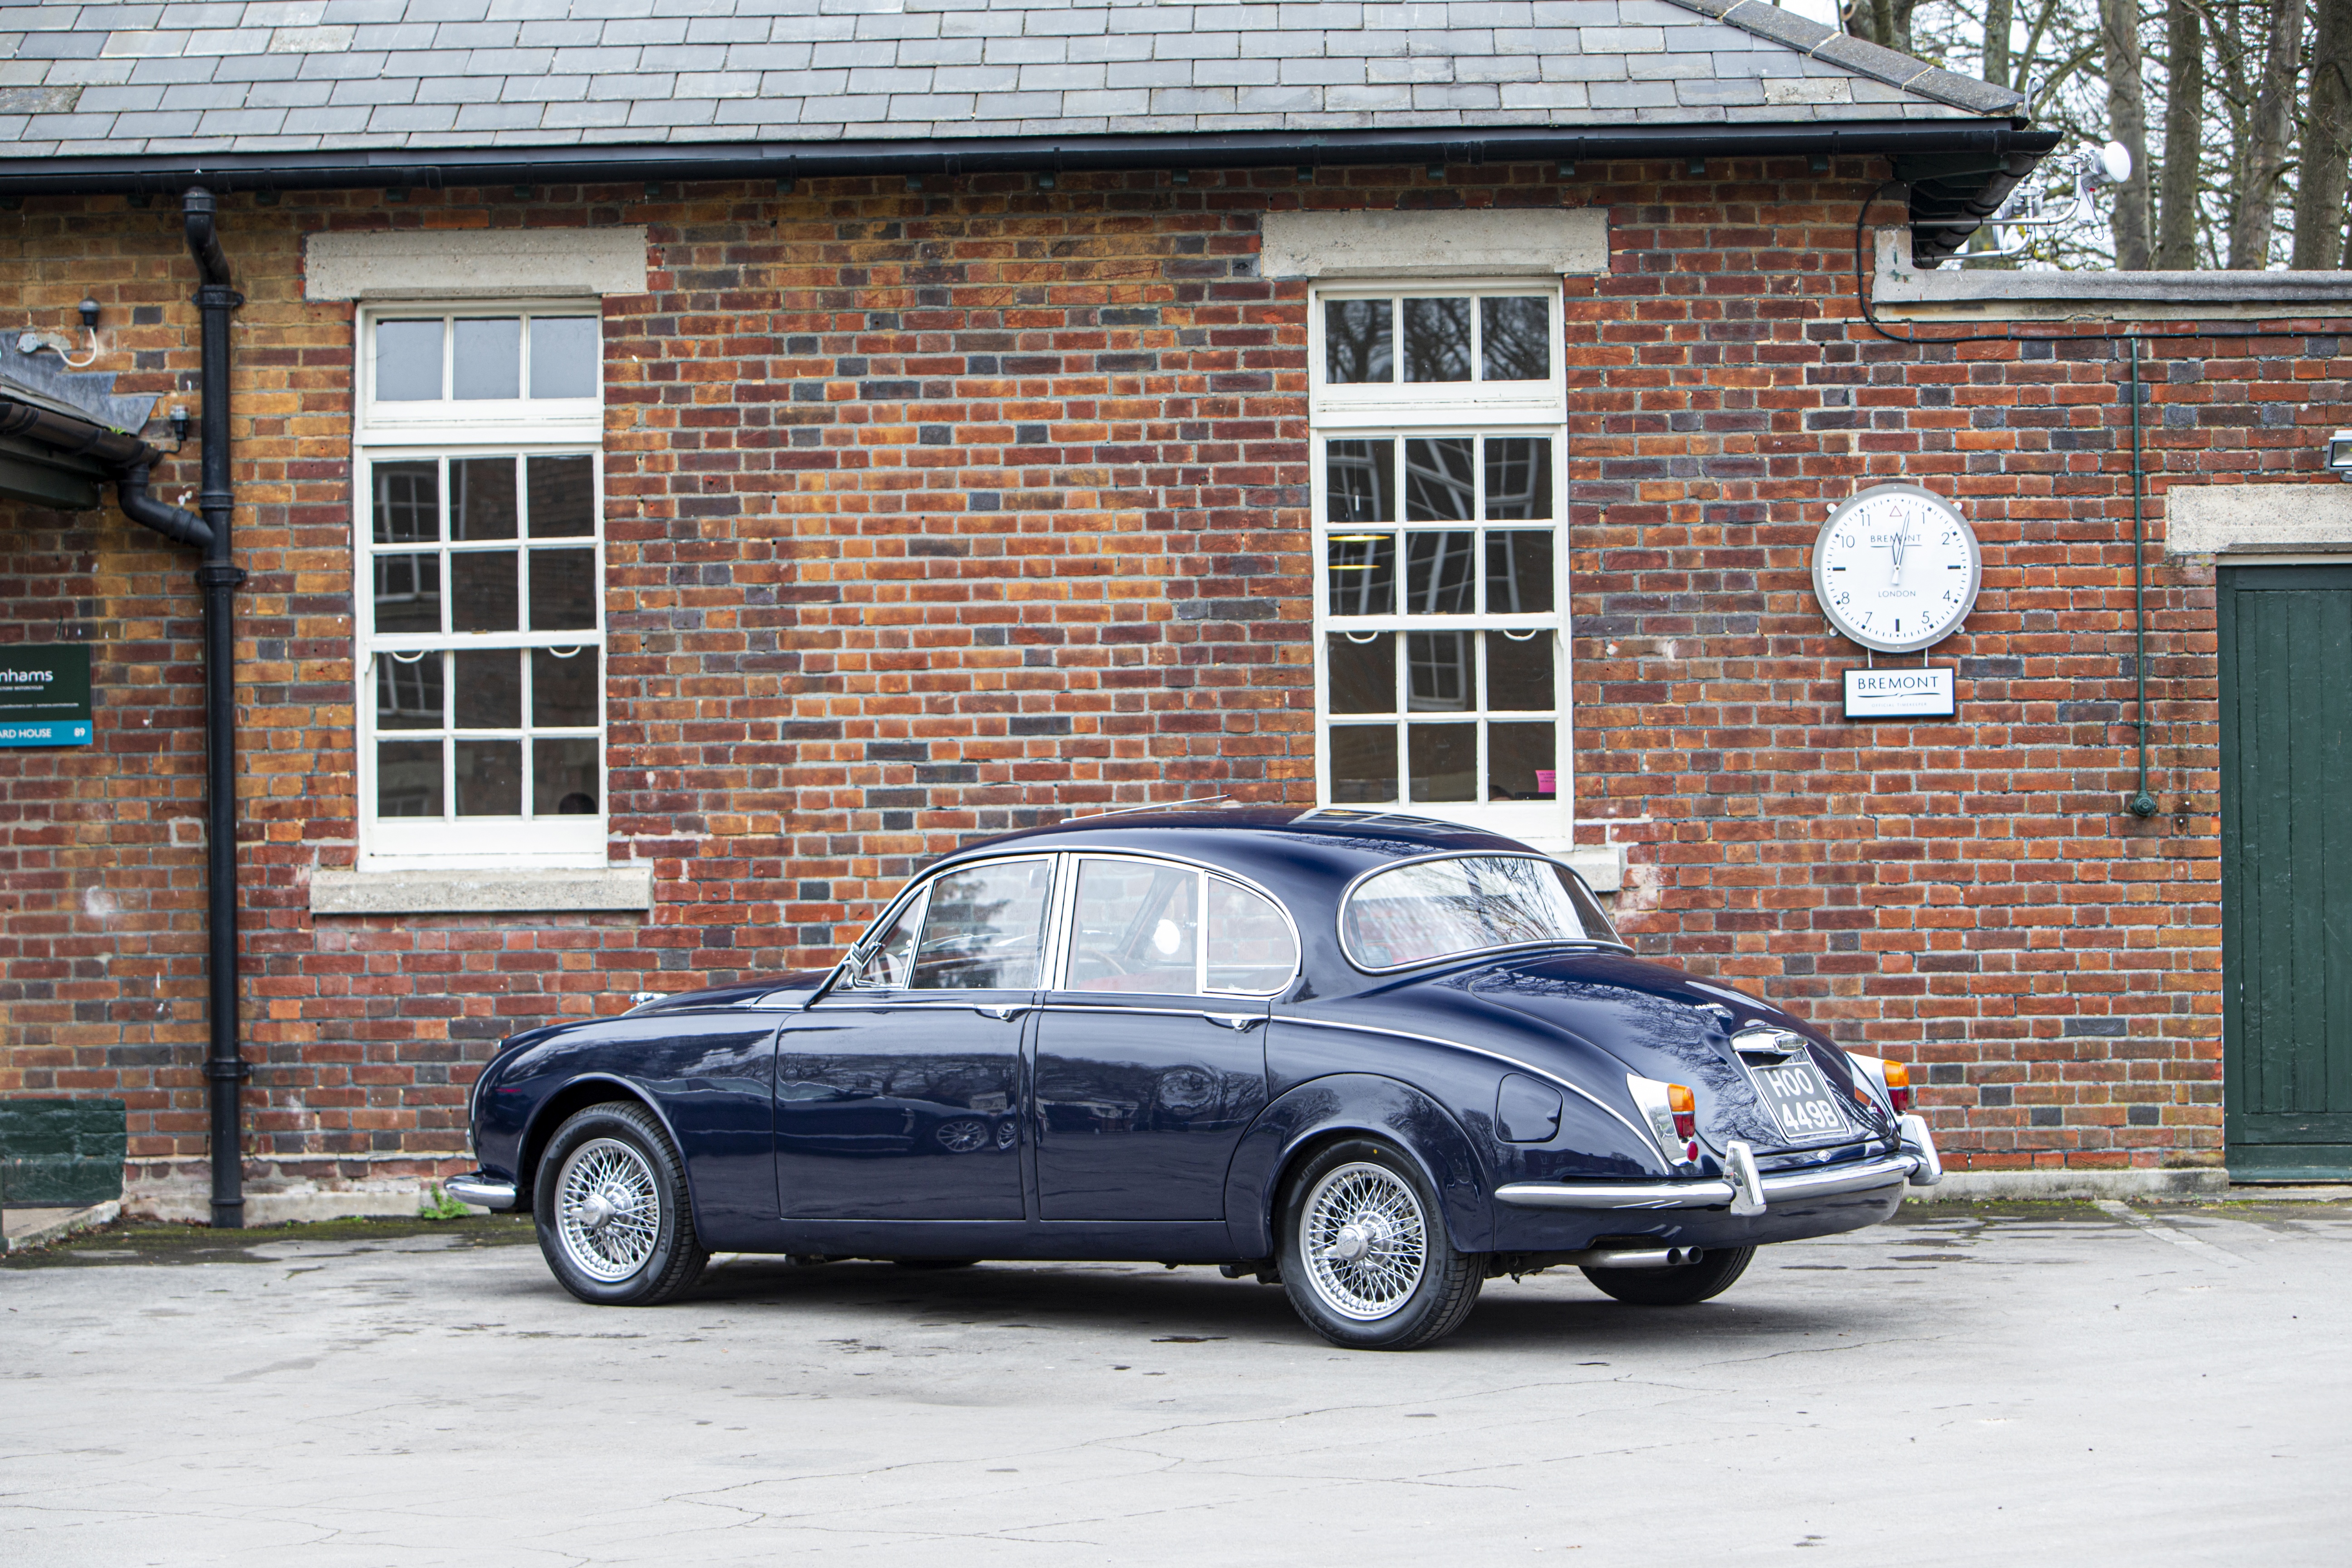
(1375, 1060)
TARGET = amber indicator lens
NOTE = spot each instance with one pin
(1685, 1105)
(1898, 1087)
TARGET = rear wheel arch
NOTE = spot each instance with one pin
(1314, 1115)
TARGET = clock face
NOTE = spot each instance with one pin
(1896, 568)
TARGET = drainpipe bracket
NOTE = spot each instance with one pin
(229, 1072)
(217, 296)
(218, 575)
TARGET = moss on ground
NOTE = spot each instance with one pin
(136, 1243)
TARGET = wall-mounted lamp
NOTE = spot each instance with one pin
(2339, 454)
(180, 423)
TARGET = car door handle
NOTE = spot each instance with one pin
(1245, 1022)
(1005, 1013)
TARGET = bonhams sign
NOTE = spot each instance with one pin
(45, 694)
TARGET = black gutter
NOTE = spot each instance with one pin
(224, 1069)
(979, 154)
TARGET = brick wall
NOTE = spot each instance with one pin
(936, 512)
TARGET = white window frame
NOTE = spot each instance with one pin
(451, 430)
(1398, 410)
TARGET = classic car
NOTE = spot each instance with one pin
(1372, 1058)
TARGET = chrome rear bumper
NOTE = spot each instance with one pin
(1744, 1192)
(482, 1192)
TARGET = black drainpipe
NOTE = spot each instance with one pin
(224, 1069)
(2142, 803)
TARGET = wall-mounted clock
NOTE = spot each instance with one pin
(1896, 568)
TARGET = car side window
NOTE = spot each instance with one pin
(892, 962)
(1250, 945)
(983, 928)
(1135, 927)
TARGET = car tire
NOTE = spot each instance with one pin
(1683, 1286)
(1364, 1254)
(611, 1204)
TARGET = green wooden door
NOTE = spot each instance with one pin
(2287, 870)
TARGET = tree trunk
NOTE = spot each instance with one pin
(1998, 16)
(2128, 123)
(2326, 142)
(2265, 152)
(2184, 139)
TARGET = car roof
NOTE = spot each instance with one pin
(1292, 851)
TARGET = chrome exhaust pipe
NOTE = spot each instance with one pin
(1646, 1258)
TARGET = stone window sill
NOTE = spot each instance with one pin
(623, 888)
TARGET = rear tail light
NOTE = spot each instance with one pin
(1898, 1087)
(1685, 1105)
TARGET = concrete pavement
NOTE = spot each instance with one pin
(1962, 1386)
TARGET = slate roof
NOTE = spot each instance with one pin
(356, 76)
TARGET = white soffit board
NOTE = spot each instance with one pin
(474, 263)
(2314, 515)
(1486, 244)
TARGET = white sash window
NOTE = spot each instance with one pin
(478, 517)
(1438, 413)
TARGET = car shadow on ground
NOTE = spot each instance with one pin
(1195, 1304)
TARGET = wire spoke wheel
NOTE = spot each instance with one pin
(607, 1209)
(1365, 1240)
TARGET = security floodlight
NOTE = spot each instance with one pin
(2339, 453)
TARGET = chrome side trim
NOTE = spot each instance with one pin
(481, 1191)
(1511, 1062)
(1887, 1171)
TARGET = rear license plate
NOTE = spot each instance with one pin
(1800, 1103)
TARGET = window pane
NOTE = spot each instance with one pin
(1437, 665)
(1362, 568)
(487, 360)
(1518, 673)
(489, 778)
(489, 689)
(1519, 572)
(408, 502)
(482, 497)
(1437, 340)
(1359, 340)
(564, 778)
(564, 356)
(407, 362)
(1135, 928)
(1363, 764)
(1436, 908)
(1520, 761)
(1363, 674)
(1519, 478)
(983, 928)
(482, 591)
(563, 497)
(1360, 480)
(1250, 944)
(1438, 485)
(1437, 578)
(408, 691)
(1515, 338)
(408, 593)
(562, 688)
(408, 778)
(562, 590)
(1443, 760)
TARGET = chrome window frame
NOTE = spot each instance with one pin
(1347, 894)
(1066, 918)
(921, 888)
